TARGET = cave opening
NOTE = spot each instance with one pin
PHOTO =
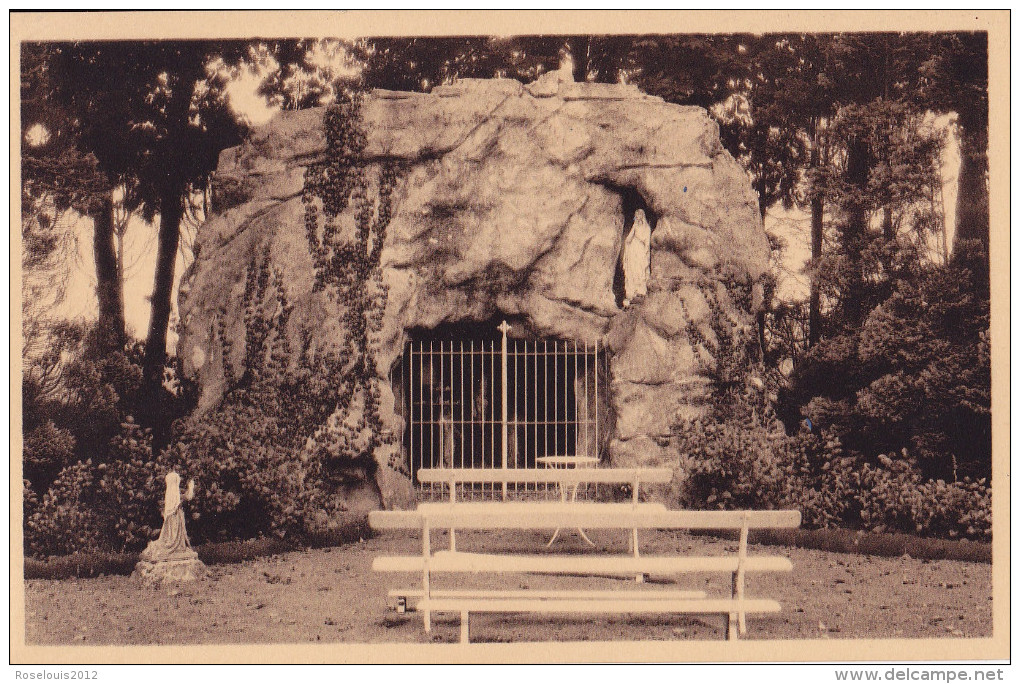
(451, 394)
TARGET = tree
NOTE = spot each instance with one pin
(599, 59)
(155, 116)
(794, 88)
(790, 101)
(302, 73)
(699, 70)
(915, 375)
(955, 79)
(60, 179)
(419, 64)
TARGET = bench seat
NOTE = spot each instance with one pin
(410, 597)
(728, 607)
(460, 561)
(532, 516)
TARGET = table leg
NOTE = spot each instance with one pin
(563, 498)
(573, 499)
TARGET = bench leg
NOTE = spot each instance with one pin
(464, 627)
(738, 576)
(731, 626)
(639, 578)
(738, 594)
(426, 547)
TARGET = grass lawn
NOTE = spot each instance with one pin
(331, 595)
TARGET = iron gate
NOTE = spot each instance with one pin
(502, 402)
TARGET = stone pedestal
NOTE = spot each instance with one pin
(185, 569)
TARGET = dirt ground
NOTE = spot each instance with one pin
(332, 595)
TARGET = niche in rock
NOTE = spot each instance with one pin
(633, 267)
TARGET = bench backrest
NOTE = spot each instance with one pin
(546, 476)
(518, 516)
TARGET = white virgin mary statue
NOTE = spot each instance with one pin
(173, 541)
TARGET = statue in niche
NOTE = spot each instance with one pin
(636, 258)
(170, 557)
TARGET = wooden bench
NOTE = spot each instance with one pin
(530, 516)
(562, 478)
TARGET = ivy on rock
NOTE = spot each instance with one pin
(347, 264)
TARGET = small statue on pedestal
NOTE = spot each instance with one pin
(170, 557)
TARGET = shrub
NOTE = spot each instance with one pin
(29, 501)
(65, 520)
(895, 497)
(732, 465)
(915, 374)
(109, 506)
(48, 450)
(250, 480)
(746, 460)
(259, 457)
(129, 490)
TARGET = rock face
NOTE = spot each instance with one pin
(517, 203)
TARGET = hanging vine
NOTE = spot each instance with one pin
(347, 264)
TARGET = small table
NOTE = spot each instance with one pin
(568, 462)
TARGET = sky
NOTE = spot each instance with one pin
(793, 226)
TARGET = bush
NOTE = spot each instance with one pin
(129, 490)
(262, 459)
(29, 501)
(65, 520)
(732, 465)
(48, 450)
(915, 374)
(110, 506)
(746, 460)
(894, 497)
(93, 482)
(820, 480)
(249, 480)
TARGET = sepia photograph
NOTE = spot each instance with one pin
(509, 337)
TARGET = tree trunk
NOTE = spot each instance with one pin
(888, 227)
(761, 318)
(972, 221)
(171, 211)
(815, 303)
(579, 48)
(109, 288)
(817, 207)
(854, 233)
(163, 285)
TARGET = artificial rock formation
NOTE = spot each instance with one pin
(516, 203)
